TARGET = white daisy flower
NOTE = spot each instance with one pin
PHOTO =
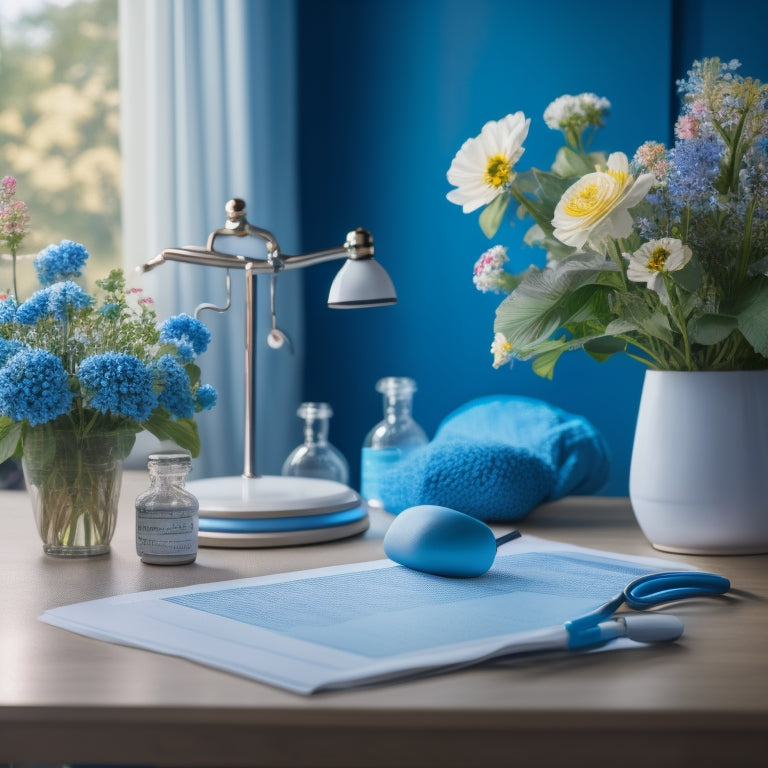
(595, 207)
(501, 350)
(482, 168)
(650, 261)
(578, 111)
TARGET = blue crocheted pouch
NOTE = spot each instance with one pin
(497, 458)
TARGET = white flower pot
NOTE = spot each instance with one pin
(699, 474)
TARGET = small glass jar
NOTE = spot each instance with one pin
(316, 457)
(392, 439)
(166, 513)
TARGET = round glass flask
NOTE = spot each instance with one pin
(316, 457)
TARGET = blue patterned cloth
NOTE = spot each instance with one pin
(497, 458)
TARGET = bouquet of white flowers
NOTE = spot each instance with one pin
(664, 257)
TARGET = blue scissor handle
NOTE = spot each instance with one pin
(645, 592)
(658, 588)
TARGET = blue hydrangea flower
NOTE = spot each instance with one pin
(206, 397)
(54, 301)
(188, 334)
(176, 395)
(66, 295)
(35, 307)
(695, 166)
(8, 348)
(118, 383)
(34, 386)
(60, 262)
(7, 310)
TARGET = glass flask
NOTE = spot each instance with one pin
(392, 439)
(316, 457)
(166, 513)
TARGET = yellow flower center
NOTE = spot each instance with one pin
(498, 171)
(658, 259)
(583, 201)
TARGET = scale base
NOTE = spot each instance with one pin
(275, 511)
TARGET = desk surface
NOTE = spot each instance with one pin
(66, 698)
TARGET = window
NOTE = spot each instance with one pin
(59, 127)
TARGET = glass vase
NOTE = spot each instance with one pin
(74, 482)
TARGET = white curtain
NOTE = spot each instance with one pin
(208, 113)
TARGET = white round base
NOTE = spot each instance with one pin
(270, 496)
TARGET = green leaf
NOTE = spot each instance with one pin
(711, 329)
(492, 215)
(166, 349)
(536, 237)
(194, 373)
(156, 423)
(690, 276)
(604, 346)
(10, 432)
(183, 432)
(551, 186)
(635, 310)
(548, 299)
(525, 182)
(544, 364)
(599, 345)
(753, 318)
(759, 267)
(570, 164)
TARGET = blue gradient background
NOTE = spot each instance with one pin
(389, 90)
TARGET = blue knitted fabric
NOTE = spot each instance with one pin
(497, 458)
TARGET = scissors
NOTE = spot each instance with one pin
(601, 626)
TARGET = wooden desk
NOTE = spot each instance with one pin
(64, 698)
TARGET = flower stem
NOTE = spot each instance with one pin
(614, 251)
(535, 214)
(746, 246)
(15, 288)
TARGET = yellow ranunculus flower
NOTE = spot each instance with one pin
(595, 207)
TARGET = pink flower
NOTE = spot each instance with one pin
(9, 188)
(14, 219)
(488, 269)
(687, 127)
(699, 107)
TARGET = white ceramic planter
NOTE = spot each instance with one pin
(699, 474)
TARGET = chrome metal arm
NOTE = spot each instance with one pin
(358, 246)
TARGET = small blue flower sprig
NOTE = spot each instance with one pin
(97, 364)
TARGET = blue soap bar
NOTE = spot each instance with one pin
(440, 540)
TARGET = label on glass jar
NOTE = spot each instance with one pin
(166, 532)
(375, 464)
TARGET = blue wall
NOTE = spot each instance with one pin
(389, 90)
